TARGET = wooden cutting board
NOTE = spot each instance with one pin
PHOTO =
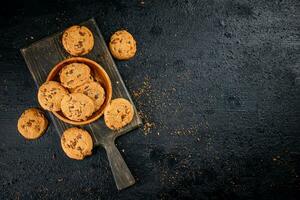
(44, 54)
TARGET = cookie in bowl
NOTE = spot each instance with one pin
(77, 106)
(50, 95)
(93, 90)
(74, 75)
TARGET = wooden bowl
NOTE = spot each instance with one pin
(98, 72)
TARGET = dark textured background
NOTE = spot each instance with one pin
(217, 83)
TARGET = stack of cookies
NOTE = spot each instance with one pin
(77, 93)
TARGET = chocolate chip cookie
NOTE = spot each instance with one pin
(77, 106)
(77, 143)
(74, 75)
(78, 40)
(118, 113)
(50, 95)
(32, 123)
(122, 45)
(93, 90)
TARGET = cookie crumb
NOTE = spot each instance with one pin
(147, 127)
(145, 89)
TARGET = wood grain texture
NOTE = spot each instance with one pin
(43, 55)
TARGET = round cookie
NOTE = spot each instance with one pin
(76, 143)
(77, 106)
(50, 95)
(74, 75)
(118, 113)
(91, 79)
(32, 123)
(78, 40)
(122, 45)
(93, 90)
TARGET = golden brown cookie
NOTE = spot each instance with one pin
(118, 113)
(91, 79)
(78, 40)
(50, 95)
(93, 90)
(76, 143)
(74, 75)
(77, 106)
(122, 45)
(32, 123)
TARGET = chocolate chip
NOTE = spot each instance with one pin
(78, 136)
(70, 82)
(81, 52)
(81, 33)
(37, 127)
(80, 43)
(79, 149)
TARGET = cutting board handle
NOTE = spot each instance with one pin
(122, 175)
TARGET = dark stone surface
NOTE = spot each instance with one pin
(218, 79)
